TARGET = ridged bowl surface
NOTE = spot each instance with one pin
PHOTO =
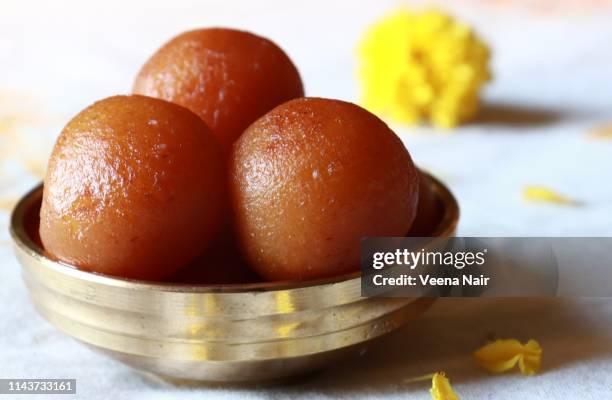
(221, 333)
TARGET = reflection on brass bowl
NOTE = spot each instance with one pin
(230, 333)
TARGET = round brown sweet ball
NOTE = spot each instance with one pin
(310, 179)
(134, 188)
(228, 77)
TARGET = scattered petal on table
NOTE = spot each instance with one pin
(503, 355)
(602, 132)
(441, 388)
(6, 204)
(540, 194)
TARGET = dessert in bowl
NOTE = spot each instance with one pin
(205, 249)
(234, 332)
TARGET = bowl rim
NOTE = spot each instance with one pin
(24, 242)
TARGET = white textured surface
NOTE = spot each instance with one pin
(552, 85)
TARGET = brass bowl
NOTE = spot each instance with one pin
(221, 333)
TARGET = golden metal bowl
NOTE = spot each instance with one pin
(230, 333)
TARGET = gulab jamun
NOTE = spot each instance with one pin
(135, 188)
(228, 77)
(310, 179)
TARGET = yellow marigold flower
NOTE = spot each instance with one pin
(441, 388)
(503, 355)
(546, 195)
(419, 66)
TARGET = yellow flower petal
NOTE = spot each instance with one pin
(503, 355)
(422, 66)
(602, 132)
(546, 195)
(532, 358)
(441, 388)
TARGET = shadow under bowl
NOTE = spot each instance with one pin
(215, 333)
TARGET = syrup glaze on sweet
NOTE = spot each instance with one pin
(310, 179)
(228, 77)
(135, 188)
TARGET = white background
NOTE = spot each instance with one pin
(552, 86)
